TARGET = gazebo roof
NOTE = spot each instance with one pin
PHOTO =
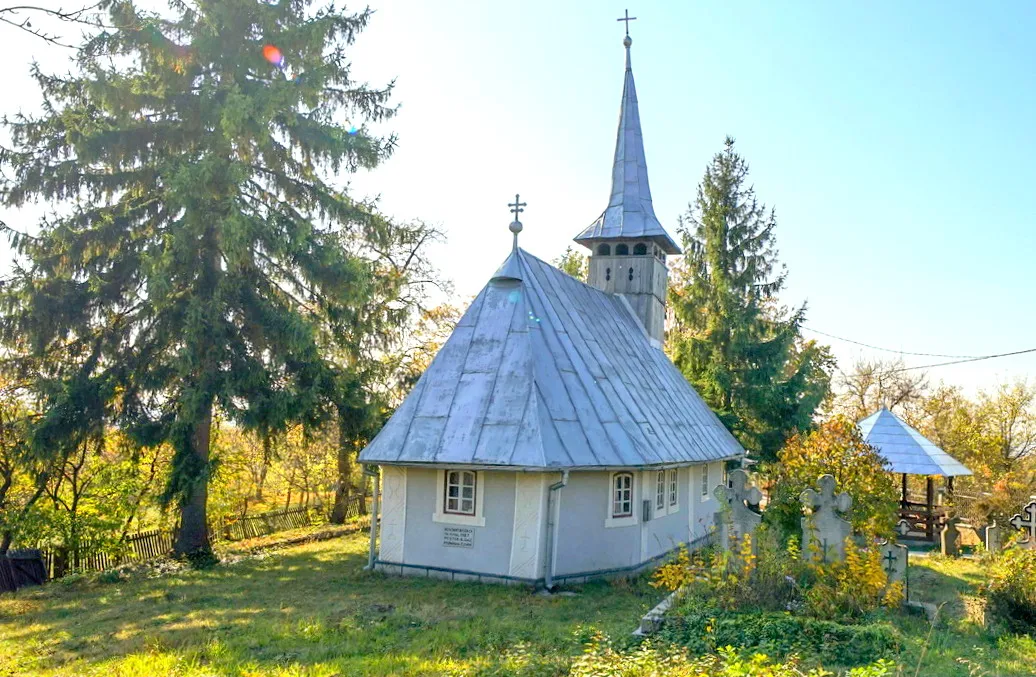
(907, 450)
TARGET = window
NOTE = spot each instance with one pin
(622, 495)
(640, 249)
(674, 497)
(622, 250)
(604, 250)
(460, 493)
(459, 497)
(660, 490)
(705, 481)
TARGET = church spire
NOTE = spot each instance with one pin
(630, 213)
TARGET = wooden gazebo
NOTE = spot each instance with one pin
(908, 452)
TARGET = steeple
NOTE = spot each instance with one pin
(630, 214)
(627, 244)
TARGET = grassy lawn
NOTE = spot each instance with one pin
(304, 610)
(959, 644)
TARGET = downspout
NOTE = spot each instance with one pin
(548, 578)
(372, 472)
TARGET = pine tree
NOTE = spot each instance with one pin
(200, 255)
(741, 350)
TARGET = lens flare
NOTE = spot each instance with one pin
(273, 55)
(352, 130)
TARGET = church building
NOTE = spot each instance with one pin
(551, 440)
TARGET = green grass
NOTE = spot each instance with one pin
(305, 610)
(960, 643)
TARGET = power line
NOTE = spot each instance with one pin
(898, 352)
(970, 359)
(955, 359)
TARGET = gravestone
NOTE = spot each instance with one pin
(734, 520)
(895, 559)
(903, 527)
(824, 526)
(990, 535)
(1025, 521)
(949, 538)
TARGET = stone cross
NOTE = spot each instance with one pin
(734, 519)
(903, 527)
(824, 525)
(1026, 522)
(990, 535)
(894, 559)
(950, 537)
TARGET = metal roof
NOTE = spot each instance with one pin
(907, 450)
(630, 213)
(544, 371)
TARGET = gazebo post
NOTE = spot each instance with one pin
(903, 501)
(929, 528)
(949, 485)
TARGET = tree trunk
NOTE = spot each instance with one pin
(193, 536)
(343, 488)
(267, 457)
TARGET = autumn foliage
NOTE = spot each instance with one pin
(835, 448)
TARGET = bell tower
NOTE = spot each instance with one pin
(628, 246)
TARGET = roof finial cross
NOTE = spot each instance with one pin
(516, 207)
(627, 19)
(516, 225)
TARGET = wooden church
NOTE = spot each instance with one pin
(551, 440)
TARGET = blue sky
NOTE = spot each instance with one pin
(896, 141)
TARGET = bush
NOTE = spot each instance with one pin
(1012, 590)
(763, 575)
(649, 660)
(835, 448)
(703, 629)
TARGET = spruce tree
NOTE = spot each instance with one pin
(733, 341)
(200, 255)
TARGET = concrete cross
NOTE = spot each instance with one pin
(824, 529)
(742, 492)
(734, 519)
(826, 499)
(627, 19)
(1026, 522)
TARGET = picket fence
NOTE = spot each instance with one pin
(50, 563)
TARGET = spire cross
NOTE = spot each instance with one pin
(516, 225)
(627, 19)
(516, 207)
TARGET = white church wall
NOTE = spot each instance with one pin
(484, 549)
(584, 542)
(393, 513)
(528, 540)
(666, 529)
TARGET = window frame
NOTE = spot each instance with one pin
(660, 491)
(674, 490)
(705, 482)
(441, 515)
(621, 519)
(461, 476)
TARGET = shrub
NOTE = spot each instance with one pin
(649, 660)
(769, 577)
(1012, 590)
(838, 449)
(702, 629)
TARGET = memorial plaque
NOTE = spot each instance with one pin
(458, 537)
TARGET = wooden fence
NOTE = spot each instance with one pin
(147, 545)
